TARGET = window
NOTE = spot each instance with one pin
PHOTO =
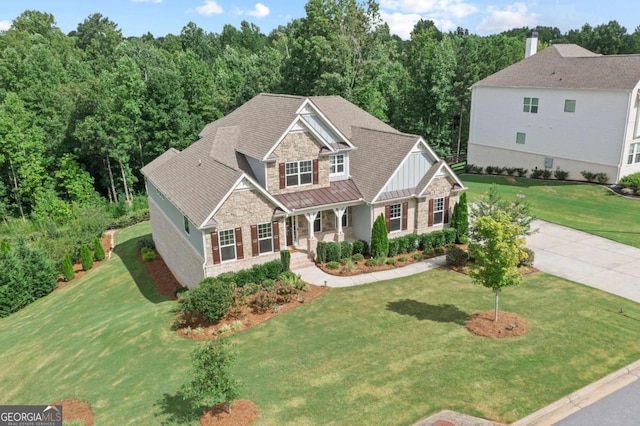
(395, 217)
(344, 219)
(317, 224)
(299, 172)
(186, 224)
(569, 105)
(265, 237)
(634, 153)
(521, 137)
(227, 240)
(438, 210)
(531, 105)
(336, 164)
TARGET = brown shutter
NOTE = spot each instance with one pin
(446, 209)
(387, 217)
(215, 246)
(315, 172)
(283, 180)
(405, 208)
(254, 240)
(430, 221)
(276, 235)
(239, 246)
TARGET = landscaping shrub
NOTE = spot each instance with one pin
(490, 170)
(428, 251)
(457, 257)
(147, 254)
(536, 174)
(129, 219)
(589, 176)
(333, 252)
(285, 258)
(449, 236)
(268, 283)
(390, 261)
(417, 256)
(292, 279)
(252, 288)
(521, 172)
(478, 169)
(438, 249)
(438, 239)
(180, 291)
(349, 266)
(259, 273)
(273, 269)
(602, 177)
(394, 246)
(630, 181)
(460, 219)
(264, 300)
(227, 277)
(245, 276)
(67, 268)
(529, 257)
(546, 174)
(379, 238)
(86, 258)
(371, 262)
(321, 252)
(403, 245)
(426, 241)
(360, 247)
(145, 242)
(98, 251)
(413, 242)
(561, 174)
(333, 264)
(357, 257)
(346, 249)
(211, 299)
(510, 170)
(403, 259)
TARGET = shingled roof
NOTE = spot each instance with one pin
(569, 66)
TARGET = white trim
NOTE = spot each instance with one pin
(344, 164)
(438, 173)
(234, 245)
(233, 188)
(325, 119)
(306, 210)
(265, 239)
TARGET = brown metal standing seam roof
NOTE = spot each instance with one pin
(341, 191)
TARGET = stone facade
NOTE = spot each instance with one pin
(181, 258)
(296, 147)
(440, 187)
(242, 209)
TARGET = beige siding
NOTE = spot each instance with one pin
(295, 147)
(181, 258)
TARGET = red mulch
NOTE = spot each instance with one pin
(76, 409)
(107, 246)
(361, 268)
(482, 324)
(164, 281)
(243, 412)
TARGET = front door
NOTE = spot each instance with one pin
(291, 230)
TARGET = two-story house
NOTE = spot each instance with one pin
(286, 171)
(561, 108)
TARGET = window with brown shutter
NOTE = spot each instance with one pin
(387, 217)
(405, 209)
(283, 182)
(315, 172)
(446, 209)
(215, 246)
(276, 235)
(239, 247)
(254, 240)
(430, 221)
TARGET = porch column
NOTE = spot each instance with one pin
(339, 212)
(311, 217)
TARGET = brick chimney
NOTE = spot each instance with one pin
(532, 44)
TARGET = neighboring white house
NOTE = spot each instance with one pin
(561, 108)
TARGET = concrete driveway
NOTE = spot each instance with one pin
(587, 259)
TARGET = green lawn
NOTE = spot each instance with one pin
(389, 352)
(587, 207)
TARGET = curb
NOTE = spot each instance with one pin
(568, 404)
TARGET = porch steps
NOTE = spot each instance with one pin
(299, 260)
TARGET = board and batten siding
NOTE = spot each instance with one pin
(410, 172)
(194, 237)
(320, 127)
(594, 133)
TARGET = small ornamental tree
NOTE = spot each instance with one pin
(497, 246)
(518, 211)
(67, 268)
(86, 258)
(98, 251)
(212, 382)
(460, 219)
(379, 238)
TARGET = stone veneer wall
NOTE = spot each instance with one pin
(295, 147)
(440, 187)
(380, 209)
(184, 262)
(242, 209)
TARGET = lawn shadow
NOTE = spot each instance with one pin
(127, 252)
(424, 311)
(178, 409)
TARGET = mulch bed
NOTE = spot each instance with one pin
(524, 270)
(107, 246)
(76, 409)
(243, 412)
(362, 268)
(163, 280)
(508, 324)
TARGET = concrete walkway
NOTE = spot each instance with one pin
(564, 252)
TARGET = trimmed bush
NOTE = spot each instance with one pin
(413, 242)
(426, 241)
(268, 283)
(357, 257)
(630, 181)
(449, 236)
(589, 176)
(292, 279)
(211, 299)
(561, 174)
(536, 174)
(67, 268)
(602, 177)
(417, 256)
(546, 174)
(333, 264)
(521, 172)
(273, 269)
(379, 238)
(145, 242)
(285, 258)
(321, 252)
(390, 261)
(86, 258)
(98, 251)
(333, 252)
(371, 262)
(147, 254)
(259, 272)
(460, 218)
(529, 257)
(346, 249)
(403, 245)
(227, 277)
(360, 247)
(245, 276)
(394, 245)
(457, 257)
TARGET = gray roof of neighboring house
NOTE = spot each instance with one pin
(378, 156)
(569, 66)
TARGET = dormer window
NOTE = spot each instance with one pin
(336, 164)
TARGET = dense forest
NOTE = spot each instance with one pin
(81, 113)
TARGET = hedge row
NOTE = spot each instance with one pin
(256, 274)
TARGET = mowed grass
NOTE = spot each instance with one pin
(587, 207)
(384, 353)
